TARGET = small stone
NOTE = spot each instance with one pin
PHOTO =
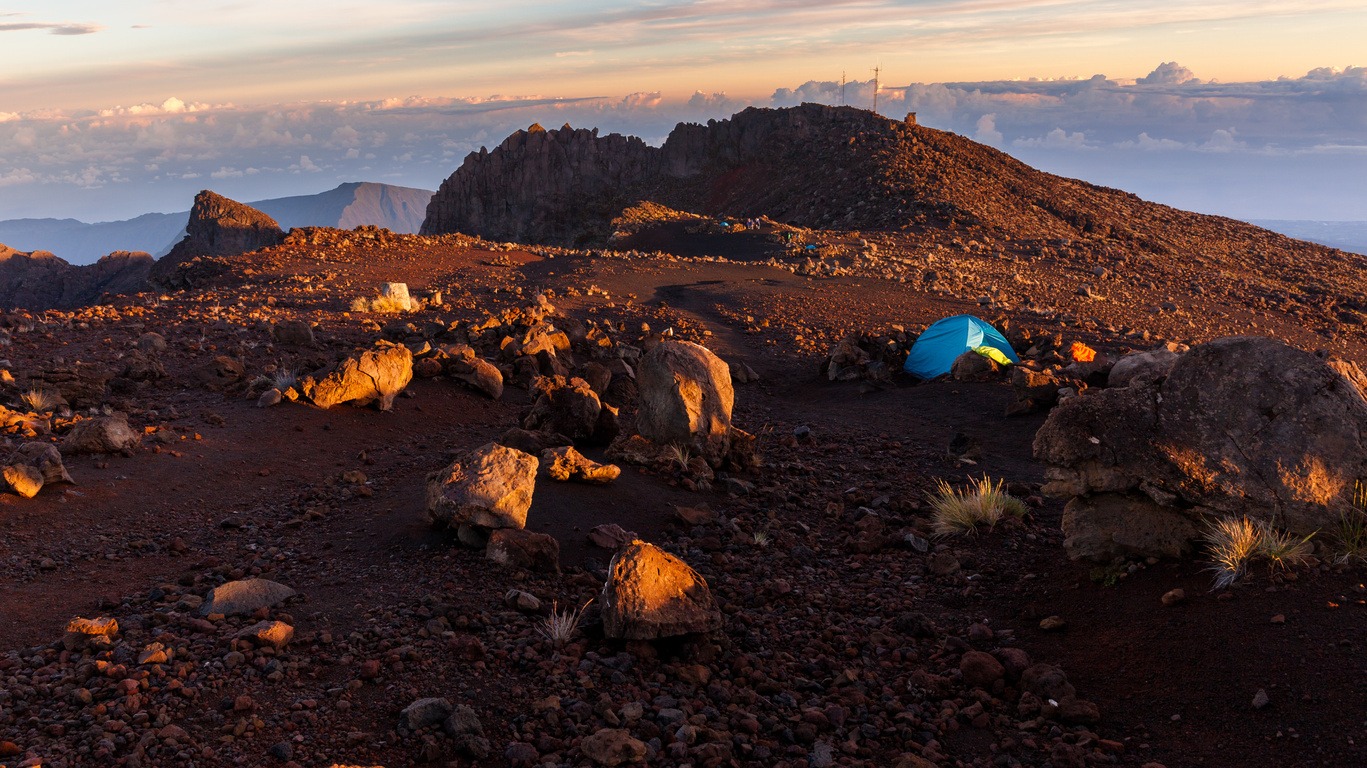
(612, 747)
(276, 634)
(943, 563)
(1053, 624)
(522, 601)
(1279, 619)
(1175, 596)
(425, 712)
(1260, 699)
(981, 670)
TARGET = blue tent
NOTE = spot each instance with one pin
(935, 349)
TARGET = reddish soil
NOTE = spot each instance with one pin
(813, 625)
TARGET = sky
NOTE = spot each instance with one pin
(1248, 108)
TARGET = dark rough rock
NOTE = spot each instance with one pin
(521, 548)
(375, 376)
(217, 227)
(102, 434)
(490, 486)
(1239, 426)
(652, 594)
(685, 398)
(244, 597)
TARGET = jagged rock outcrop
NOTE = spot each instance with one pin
(1238, 427)
(39, 280)
(217, 227)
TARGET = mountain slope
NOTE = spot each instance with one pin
(400, 209)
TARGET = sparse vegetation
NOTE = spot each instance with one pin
(384, 305)
(1282, 549)
(761, 539)
(284, 378)
(39, 400)
(560, 627)
(679, 454)
(982, 503)
(1233, 544)
(1352, 528)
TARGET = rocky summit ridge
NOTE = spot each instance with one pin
(814, 166)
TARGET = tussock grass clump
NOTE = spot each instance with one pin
(284, 378)
(1282, 549)
(1351, 531)
(1233, 544)
(982, 503)
(39, 400)
(560, 627)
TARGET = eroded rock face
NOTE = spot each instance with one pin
(218, 227)
(376, 376)
(685, 398)
(651, 594)
(490, 486)
(1239, 426)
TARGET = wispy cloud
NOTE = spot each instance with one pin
(55, 29)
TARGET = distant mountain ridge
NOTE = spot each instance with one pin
(400, 209)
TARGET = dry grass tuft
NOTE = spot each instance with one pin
(1352, 528)
(982, 503)
(39, 400)
(560, 627)
(1283, 550)
(1231, 544)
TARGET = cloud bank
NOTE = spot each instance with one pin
(1293, 147)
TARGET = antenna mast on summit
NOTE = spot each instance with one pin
(876, 71)
(842, 87)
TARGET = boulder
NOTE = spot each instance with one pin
(464, 365)
(273, 634)
(244, 597)
(613, 746)
(1145, 366)
(375, 376)
(534, 443)
(1104, 525)
(610, 536)
(293, 333)
(566, 406)
(971, 366)
(490, 486)
(1239, 426)
(23, 479)
(520, 548)
(395, 296)
(652, 594)
(685, 398)
(220, 373)
(45, 458)
(565, 464)
(425, 712)
(151, 343)
(102, 434)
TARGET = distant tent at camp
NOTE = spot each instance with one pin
(935, 349)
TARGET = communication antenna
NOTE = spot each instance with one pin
(876, 71)
(842, 87)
